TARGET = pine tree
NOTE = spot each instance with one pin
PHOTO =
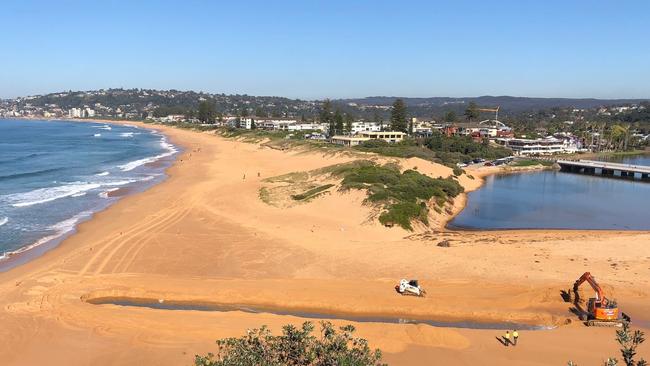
(338, 122)
(206, 112)
(450, 116)
(348, 123)
(378, 119)
(472, 112)
(398, 117)
(326, 116)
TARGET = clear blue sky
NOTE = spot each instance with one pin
(314, 49)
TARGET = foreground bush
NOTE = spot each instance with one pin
(628, 341)
(295, 347)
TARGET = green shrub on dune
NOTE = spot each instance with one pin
(405, 194)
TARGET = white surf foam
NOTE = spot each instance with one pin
(106, 127)
(127, 134)
(97, 135)
(106, 192)
(74, 189)
(4, 220)
(60, 229)
(171, 150)
(43, 195)
(119, 182)
(102, 174)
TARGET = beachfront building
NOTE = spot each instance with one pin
(545, 146)
(362, 126)
(354, 140)
(307, 127)
(487, 128)
(74, 113)
(280, 124)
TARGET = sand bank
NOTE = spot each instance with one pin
(204, 235)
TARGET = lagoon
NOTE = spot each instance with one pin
(557, 200)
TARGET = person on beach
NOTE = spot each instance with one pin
(515, 336)
(506, 338)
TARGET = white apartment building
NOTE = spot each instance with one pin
(388, 136)
(361, 126)
(546, 146)
(75, 113)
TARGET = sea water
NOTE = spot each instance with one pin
(55, 174)
(558, 200)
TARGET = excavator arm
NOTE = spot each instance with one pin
(587, 277)
(600, 310)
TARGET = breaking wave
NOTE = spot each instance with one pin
(43, 195)
(4, 220)
(171, 150)
(60, 229)
(75, 189)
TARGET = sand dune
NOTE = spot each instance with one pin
(204, 235)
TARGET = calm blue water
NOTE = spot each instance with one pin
(55, 174)
(634, 160)
(549, 199)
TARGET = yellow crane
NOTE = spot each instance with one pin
(495, 110)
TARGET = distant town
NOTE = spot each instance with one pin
(527, 126)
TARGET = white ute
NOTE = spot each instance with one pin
(410, 287)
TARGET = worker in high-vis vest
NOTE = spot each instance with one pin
(515, 336)
(506, 338)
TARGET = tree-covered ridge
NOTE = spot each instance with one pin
(163, 102)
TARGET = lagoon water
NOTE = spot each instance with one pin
(557, 200)
(54, 174)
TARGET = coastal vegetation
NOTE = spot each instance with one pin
(398, 117)
(628, 341)
(314, 192)
(454, 149)
(439, 148)
(296, 346)
(404, 195)
(401, 197)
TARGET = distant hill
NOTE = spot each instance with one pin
(508, 104)
(136, 103)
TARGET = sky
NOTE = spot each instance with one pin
(312, 49)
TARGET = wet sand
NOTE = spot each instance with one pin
(203, 235)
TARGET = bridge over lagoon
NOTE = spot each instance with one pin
(606, 169)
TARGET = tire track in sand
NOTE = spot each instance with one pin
(144, 230)
(108, 242)
(132, 252)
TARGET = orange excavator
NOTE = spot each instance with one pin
(601, 311)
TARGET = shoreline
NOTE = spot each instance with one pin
(29, 252)
(204, 234)
(481, 173)
(22, 256)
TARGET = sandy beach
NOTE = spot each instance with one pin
(204, 236)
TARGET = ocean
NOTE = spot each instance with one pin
(55, 174)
